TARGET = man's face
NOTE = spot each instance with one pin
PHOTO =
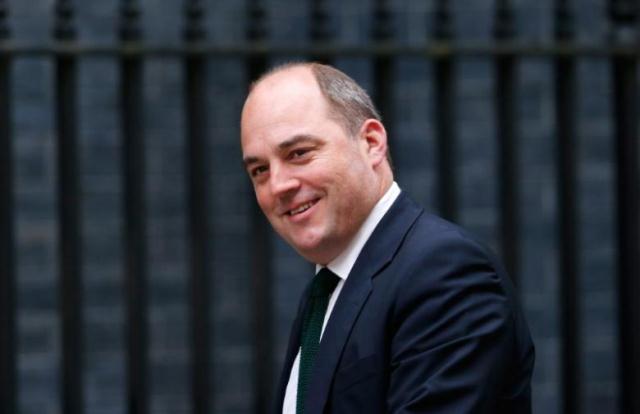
(315, 184)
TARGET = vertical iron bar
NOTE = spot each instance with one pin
(134, 212)
(198, 205)
(8, 354)
(505, 76)
(383, 68)
(69, 214)
(445, 88)
(565, 107)
(320, 31)
(262, 278)
(624, 16)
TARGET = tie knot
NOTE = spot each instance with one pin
(324, 283)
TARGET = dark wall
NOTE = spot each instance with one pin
(414, 141)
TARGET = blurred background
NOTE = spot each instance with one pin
(138, 276)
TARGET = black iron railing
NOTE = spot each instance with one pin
(442, 49)
(8, 364)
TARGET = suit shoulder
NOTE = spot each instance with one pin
(432, 232)
(438, 255)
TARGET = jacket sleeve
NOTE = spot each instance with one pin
(453, 343)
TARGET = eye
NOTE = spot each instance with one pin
(257, 171)
(298, 153)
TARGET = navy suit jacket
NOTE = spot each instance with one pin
(426, 322)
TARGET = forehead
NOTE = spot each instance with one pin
(290, 99)
(285, 82)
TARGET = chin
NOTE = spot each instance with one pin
(306, 249)
(318, 253)
(314, 257)
(311, 251)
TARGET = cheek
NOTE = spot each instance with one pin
(264, 200)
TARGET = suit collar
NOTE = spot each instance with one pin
(388, 209)
(376, 254)
(345, 261)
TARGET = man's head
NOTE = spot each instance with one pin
(315, 150)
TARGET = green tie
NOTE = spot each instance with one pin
(321, 287)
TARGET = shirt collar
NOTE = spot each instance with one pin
(343, 264)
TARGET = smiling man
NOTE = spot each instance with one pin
(407, 313)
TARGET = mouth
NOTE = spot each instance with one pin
(301, 208)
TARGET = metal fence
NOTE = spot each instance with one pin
(442, 49)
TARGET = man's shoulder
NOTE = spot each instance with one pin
(430, 228)
(431, 240)
(421, 238)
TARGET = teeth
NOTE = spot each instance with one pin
(300, 209)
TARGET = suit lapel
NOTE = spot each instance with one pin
(377, 252)
(292, 350)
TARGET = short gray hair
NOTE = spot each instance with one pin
(349, 103)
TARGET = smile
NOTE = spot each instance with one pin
(301, 209)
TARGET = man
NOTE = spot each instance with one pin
(407, 313)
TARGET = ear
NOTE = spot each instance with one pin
(373, 140)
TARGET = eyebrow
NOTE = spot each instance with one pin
(250, 160)
(297, 139)
(294, 140)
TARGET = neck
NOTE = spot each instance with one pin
(385, 180)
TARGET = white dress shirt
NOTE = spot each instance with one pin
(341, 266)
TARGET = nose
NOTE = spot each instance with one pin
(281, 181)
